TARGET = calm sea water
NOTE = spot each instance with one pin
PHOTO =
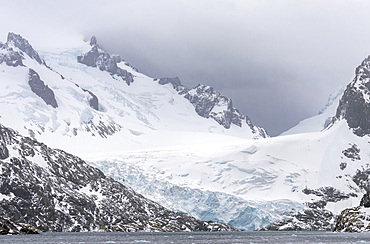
(203, 238)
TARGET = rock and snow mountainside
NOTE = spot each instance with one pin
(210, 103)
(352, 112)
(88, 102)
(354, 107)
(96, 102)
(55, 191)
(189, 149)
(300, 181)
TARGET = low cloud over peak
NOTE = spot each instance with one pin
(277, 60)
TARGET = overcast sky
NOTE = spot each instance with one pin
(278, 60)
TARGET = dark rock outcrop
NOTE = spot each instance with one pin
(353, 220)
(354, 106)
(315, 217)
(352, 152)
(97, 57)
(93, 41)
(11, 58)
(21, 43)
(310, 219)
(9, 227)
(357, 219)
(175, 81)
(328, 194)
(4, 152)
(40, 89)
(103, 129)
(365, 200)
(56, 191)
(362, 179)
(93, 101)
(209, 103)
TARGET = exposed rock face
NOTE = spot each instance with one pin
(103, 129)
(13, 57)
(93, 41)
(361, 178)
(365, 200)
(7, 227)
(310, 219)
(209, 103)
(40, 89)
(93, 101)
(353, 220)
(328, 194)
(175, 81)
(315, 216)
(56, 191)
(4, 152)
(97, 57)
(352, 152)
(354, 105)
(357, 219)
(21, 43)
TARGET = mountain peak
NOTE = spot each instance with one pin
(97, 57)
(21, 43)
(354, 106)
(93, 41)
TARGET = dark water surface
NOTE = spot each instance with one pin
(199, 237)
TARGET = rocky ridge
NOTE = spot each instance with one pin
(209, 103)
(97, 57)
(52, 190)
(354, 106)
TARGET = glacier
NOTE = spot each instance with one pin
(202, 204)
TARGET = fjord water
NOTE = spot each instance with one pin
(193, 237)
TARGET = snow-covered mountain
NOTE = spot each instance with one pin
(95, 102)
(89, 102)
(189, 149)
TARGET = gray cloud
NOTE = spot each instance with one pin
(278, 60)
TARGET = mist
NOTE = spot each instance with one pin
(277, 60)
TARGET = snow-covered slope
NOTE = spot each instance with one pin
(84, 100)
(320, 121)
